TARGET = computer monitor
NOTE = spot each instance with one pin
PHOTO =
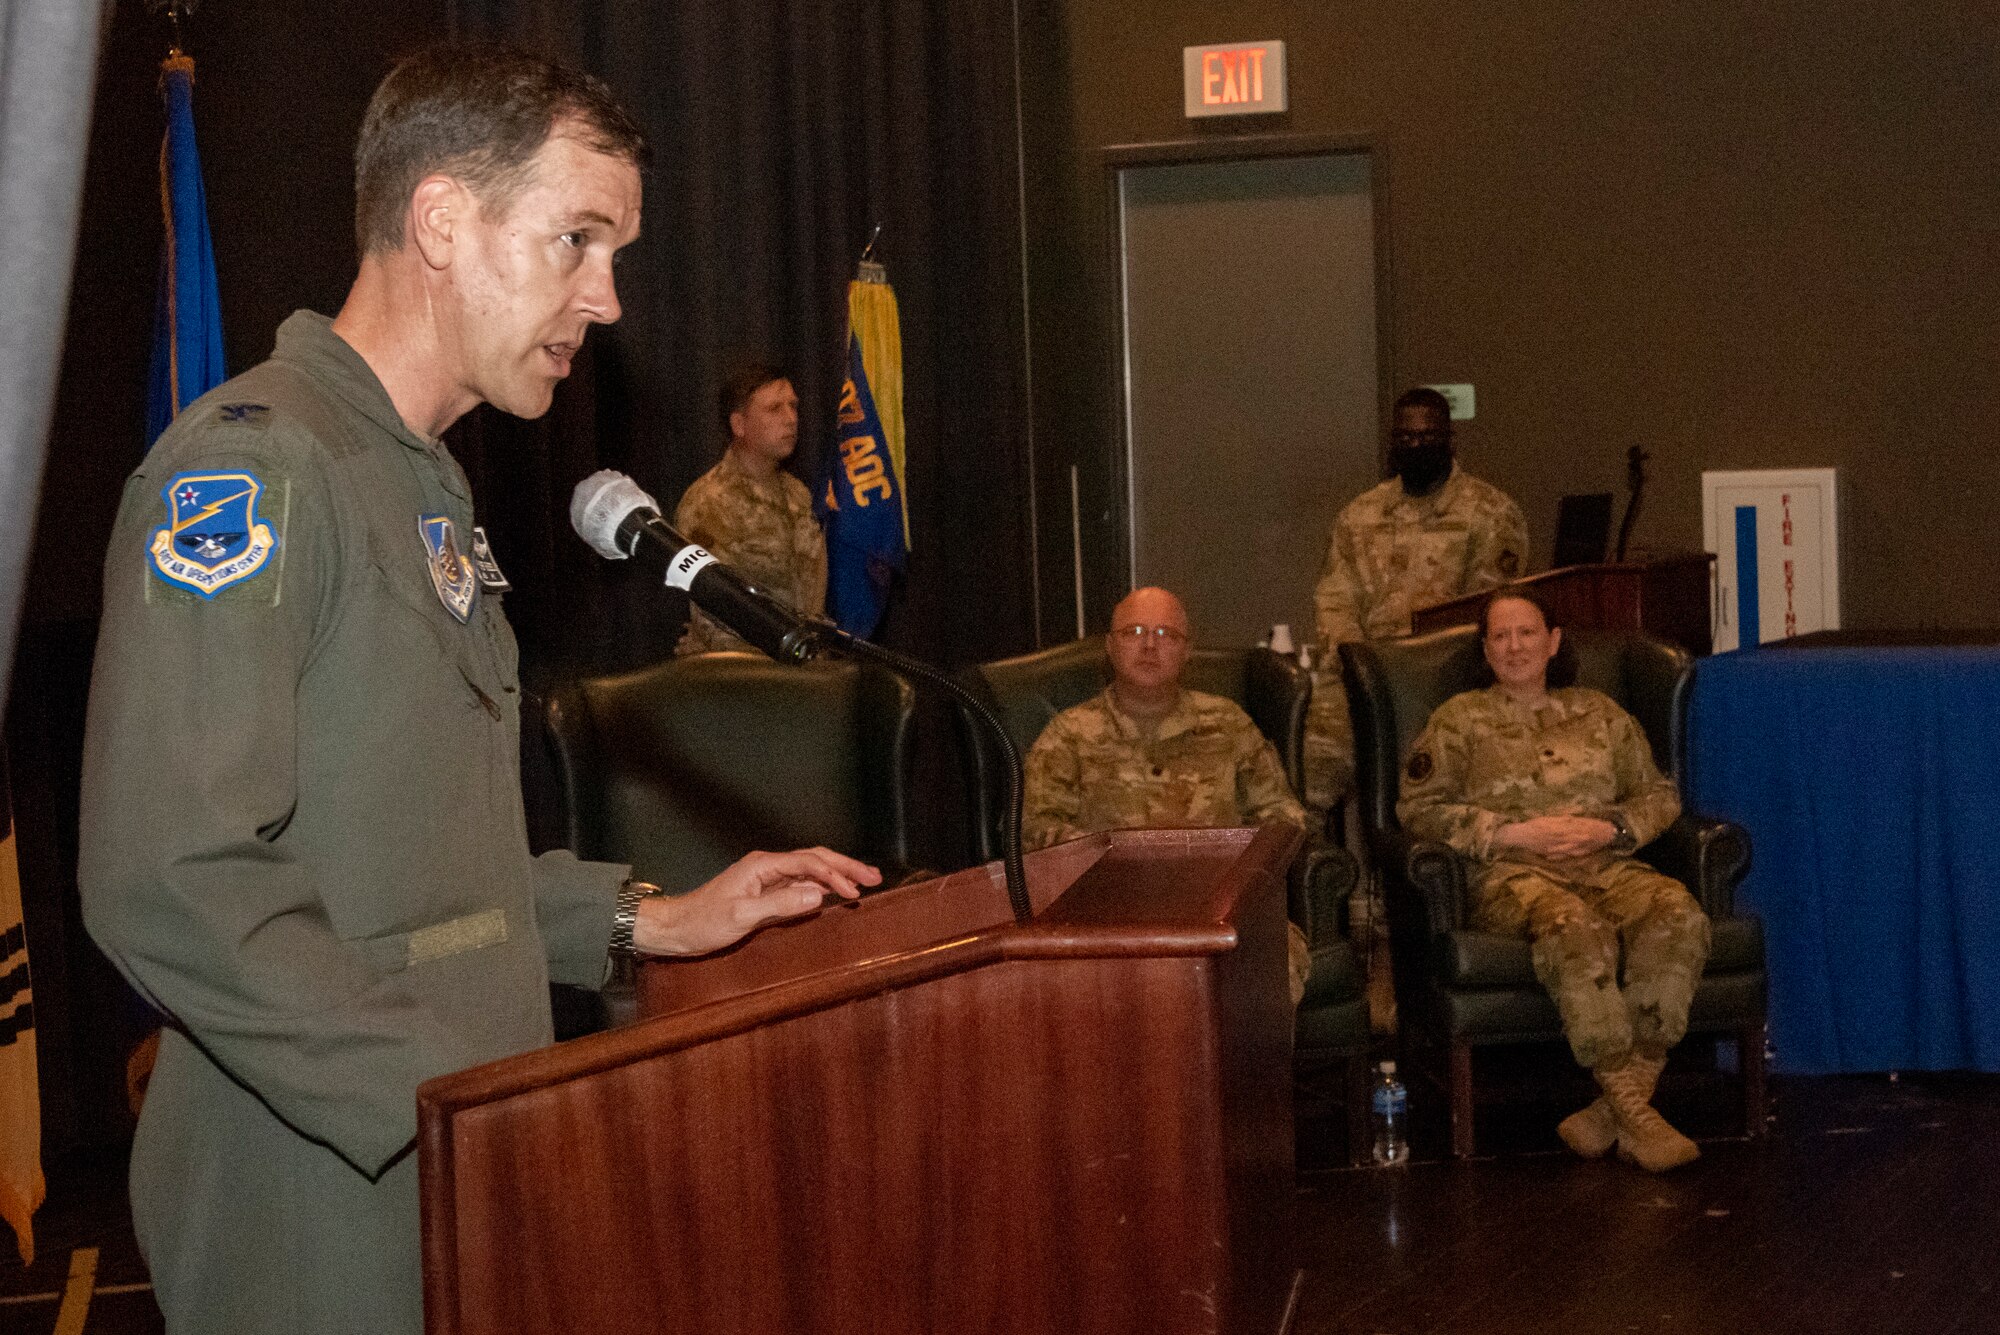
(1583, 529)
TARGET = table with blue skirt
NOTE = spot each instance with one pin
(1869, 780)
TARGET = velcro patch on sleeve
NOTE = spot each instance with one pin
(214, 536)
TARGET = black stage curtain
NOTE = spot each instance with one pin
(783, 133)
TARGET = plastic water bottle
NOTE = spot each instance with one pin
(1391, 1101)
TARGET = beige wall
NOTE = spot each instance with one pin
(1739, 236)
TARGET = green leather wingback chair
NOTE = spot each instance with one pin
(1457, 989)
(1026, 692)
(683, 767)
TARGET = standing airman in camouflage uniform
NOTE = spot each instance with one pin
(750, 512)
(1425, 536)
(1147, 752)
(1549, 792)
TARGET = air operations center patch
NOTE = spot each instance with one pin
(212, 538)
(451, 570)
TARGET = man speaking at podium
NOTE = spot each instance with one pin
(303, 836)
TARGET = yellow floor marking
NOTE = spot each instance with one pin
(75, 1308)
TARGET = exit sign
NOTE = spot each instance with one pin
(1234, 79)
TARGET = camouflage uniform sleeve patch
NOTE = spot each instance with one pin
(1510, 564)
(1420, 766)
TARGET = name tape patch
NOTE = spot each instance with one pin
(490, 578)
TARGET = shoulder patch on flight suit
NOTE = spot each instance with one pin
(242, 412)
(1419, 767)
(213, 537)
(451, 570)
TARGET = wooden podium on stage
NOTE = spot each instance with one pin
(905, 1115)
(1667, 597)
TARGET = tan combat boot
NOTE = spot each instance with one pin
(1591, 1132)
(1644, 1137)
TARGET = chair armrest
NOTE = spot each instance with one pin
(1434, 871)
(1707, 856)
(1323, 878)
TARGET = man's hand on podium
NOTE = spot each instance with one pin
(756, 889)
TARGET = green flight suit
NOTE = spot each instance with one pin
(303, 839)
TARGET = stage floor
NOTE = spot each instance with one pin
(1868, 1209)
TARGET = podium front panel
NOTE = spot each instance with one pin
(1079, 1124)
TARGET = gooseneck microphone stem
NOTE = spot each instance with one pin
(832, 637)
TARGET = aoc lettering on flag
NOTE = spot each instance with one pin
(866, 473)
(861, 454)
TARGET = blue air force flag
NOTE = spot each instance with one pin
(187, 318)
(861, 501)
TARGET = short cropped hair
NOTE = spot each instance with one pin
(740, 384)
(1563, 667)
(477, 111)
(1421, 397)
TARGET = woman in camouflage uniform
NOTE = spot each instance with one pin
(1549, 792)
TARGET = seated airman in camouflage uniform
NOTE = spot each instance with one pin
(750, 512)
(1147, 752)
(1549, 792)
(1430, 534)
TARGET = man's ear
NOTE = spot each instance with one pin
(737, 423)
(438, 207)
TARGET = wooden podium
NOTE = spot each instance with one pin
(1666, 597)
(905, 1115)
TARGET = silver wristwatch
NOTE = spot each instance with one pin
(625, 913)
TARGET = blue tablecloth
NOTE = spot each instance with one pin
(1869, 780)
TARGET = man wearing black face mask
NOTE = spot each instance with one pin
(1430, 533)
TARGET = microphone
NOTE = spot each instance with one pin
(611, 513)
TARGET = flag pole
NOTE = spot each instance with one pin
(187, 356)
(175, 10)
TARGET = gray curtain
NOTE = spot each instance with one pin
(48, 66)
